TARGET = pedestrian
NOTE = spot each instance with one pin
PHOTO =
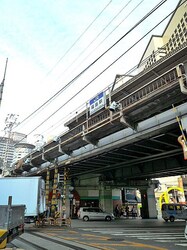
(117, 211)
(47, 212)
(127, 211)
(134, 212)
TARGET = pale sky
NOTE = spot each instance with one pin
(49, 42)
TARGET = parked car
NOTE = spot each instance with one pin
(94, 213)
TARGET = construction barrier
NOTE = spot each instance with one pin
(53, 222)
(47, 188)
(3, 238)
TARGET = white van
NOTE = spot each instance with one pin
(173, 211)
(94, 213)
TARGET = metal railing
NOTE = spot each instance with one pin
(160, 83)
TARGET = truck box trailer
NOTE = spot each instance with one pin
(29, 191)
(11, 222)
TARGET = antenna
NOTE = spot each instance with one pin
(2, 83)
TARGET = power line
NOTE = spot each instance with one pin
(77, 109)
(82, 52)
(111, 32)
(102, 71)
(67, 51)
(61, 120)
(91, 64)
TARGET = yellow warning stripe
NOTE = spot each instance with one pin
(47, 187)
(55, 182)
(3, 238)
(65, 186)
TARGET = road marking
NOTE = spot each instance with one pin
(156, 238)
(142, 234)
(95, 236)
(105, 242)
(177, 238)
(122, 244)
(170, 240)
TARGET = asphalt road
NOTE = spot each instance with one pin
(126, 234)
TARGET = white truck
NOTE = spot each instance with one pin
(29, 191)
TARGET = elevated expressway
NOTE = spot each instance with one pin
(138, 141)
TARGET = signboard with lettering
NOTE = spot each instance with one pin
(97, 103)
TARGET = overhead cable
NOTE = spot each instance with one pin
(112, 31)
(97, 59)
(95, 38)
(57, 93)
(101, 73)
(67, 51)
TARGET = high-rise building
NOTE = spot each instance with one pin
(174, 36)
(6, 151)
(20, 150)
(13, 148)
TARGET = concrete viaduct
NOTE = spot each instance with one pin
(130, 145)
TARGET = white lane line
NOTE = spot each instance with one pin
(147, 234)
(181, 241)
(129, 230)
(160, 238)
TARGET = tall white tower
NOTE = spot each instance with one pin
(10, 122)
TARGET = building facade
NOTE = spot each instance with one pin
(174, 35)
(13, 148)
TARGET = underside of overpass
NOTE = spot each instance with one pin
(156, 156)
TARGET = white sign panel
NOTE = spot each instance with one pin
(97, 103)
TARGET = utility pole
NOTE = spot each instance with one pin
(10, 121)
(2, 83)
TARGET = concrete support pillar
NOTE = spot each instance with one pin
(144, 213)
(148, 210)
(66, 207)
(105, 198)
(151, 202)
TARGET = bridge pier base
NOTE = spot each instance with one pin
(151, 202)
(105, 198)
(148, 210)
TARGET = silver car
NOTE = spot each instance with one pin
(94, 213)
